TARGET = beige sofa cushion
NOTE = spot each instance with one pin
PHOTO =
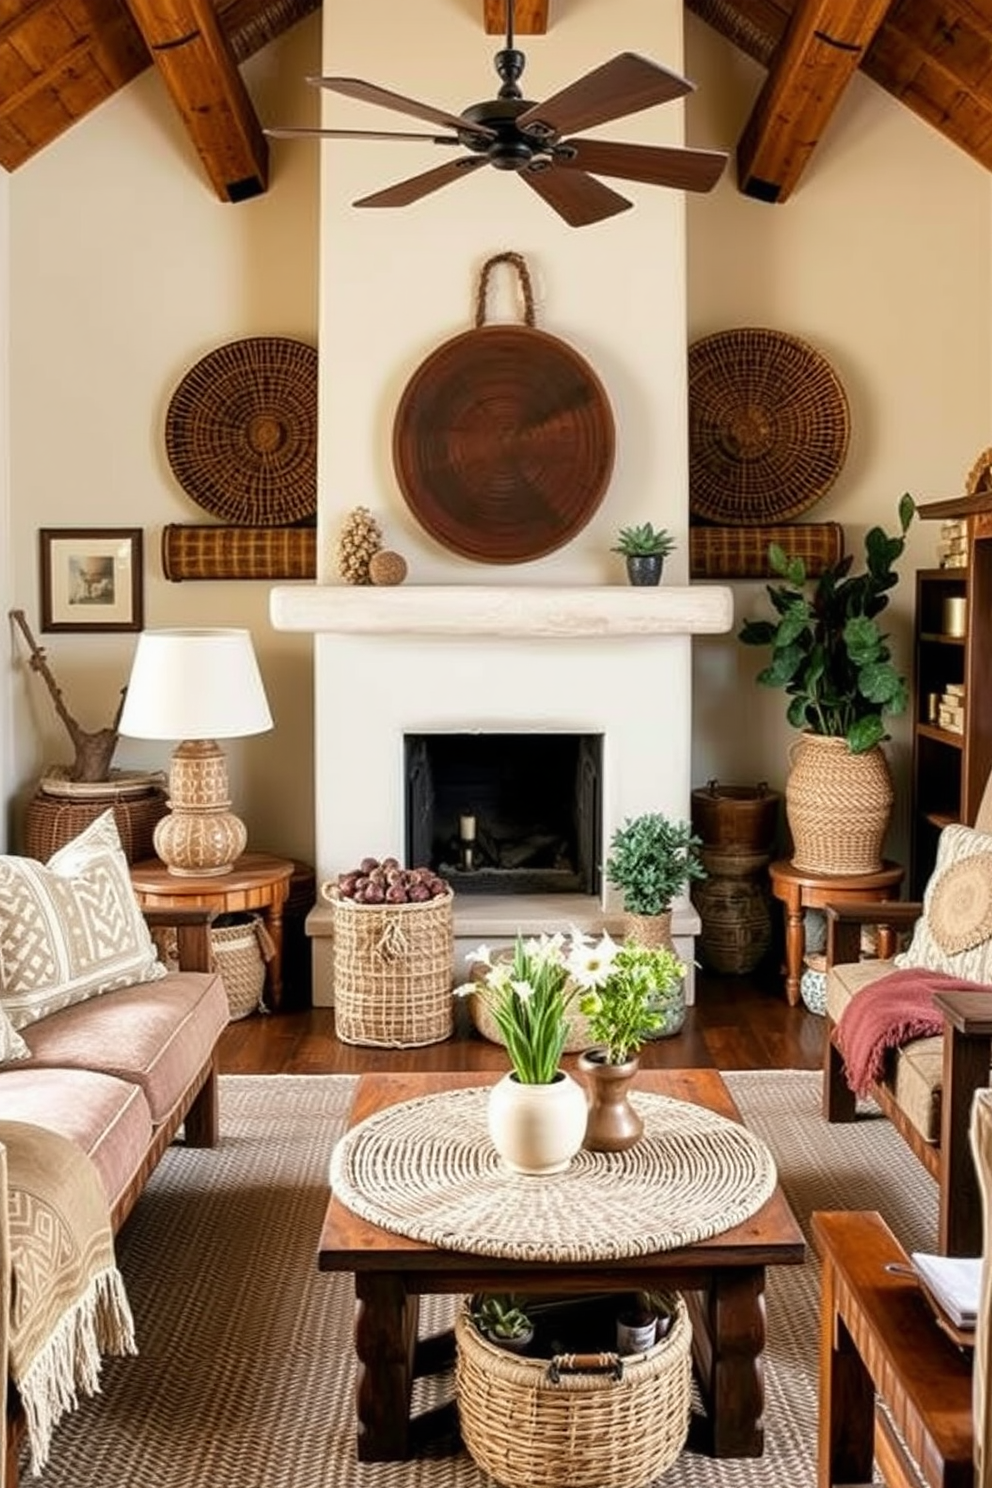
(954, 932)
(71, 928)
(915, 1071)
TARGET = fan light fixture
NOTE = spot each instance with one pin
(197, 686)
(515, 134)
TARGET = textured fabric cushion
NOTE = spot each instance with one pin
(12, 1046)
(108, 1118)
(955, 910)
(72, 928)
(158, 1037)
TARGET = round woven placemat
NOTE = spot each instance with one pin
(241, 432)
(768, 427)
(427, 1169)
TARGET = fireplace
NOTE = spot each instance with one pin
(603, 662)
(502, 813)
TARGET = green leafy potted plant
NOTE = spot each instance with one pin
(632, 993)
(651, 860)
(834, 661)
(645, 548)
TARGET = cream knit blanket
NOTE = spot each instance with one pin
(67, 1300)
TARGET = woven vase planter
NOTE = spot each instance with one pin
(530, 1423)
(393, 971)
(838, 806)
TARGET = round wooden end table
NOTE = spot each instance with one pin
(258, 881)
(799, 891)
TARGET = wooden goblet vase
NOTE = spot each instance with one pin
(612, 1124)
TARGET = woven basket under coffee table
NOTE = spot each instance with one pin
(393, 971)
(540, 1423)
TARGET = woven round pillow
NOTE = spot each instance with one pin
(960, 907)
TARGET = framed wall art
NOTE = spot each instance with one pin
(91, 578)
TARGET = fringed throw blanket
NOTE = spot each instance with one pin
(888, 1013)
(67, 1303)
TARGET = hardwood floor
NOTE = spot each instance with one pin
(736, 1023)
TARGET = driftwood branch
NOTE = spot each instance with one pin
(93, 751)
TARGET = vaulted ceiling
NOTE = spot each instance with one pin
(61, 58)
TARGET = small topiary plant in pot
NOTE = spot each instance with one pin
(651, 860)
(645, 548)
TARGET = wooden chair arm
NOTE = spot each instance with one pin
(846, 921)
(968, 1012)
(192, 927)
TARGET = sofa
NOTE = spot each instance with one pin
(941, 1055)
(105, 1053)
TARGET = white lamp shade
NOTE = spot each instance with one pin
(194, 684)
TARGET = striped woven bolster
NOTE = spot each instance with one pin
(742, 552)
(204, 552)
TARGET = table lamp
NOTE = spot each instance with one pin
(197, 686)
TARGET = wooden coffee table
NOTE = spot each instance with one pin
(723, 1280)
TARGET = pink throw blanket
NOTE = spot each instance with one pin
(888, 1013)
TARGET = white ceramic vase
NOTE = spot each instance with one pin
(537, 1128)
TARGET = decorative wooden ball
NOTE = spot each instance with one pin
(387, 567)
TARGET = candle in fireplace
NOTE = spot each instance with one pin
(466, 828)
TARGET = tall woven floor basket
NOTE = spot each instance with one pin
(838, 806)
(531, 1423)
(393, 971)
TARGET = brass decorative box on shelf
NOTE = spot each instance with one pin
(197, 551)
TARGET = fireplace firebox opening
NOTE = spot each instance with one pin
(506, 813)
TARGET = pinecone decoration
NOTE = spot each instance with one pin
(361, 537)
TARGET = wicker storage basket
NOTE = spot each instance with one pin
(530, 1423)
(240, 953)
(393, 971)
(742, 552)
(202, 552)
(52, 821)
(838, 806)
(577, 1038)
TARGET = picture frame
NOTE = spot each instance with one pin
(91, 578)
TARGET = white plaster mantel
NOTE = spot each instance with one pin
(518, 612)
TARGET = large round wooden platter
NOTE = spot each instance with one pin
(503, 443)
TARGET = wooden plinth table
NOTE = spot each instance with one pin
(723, 1280)
(258, 881)
(880, 1341)
(800, 891)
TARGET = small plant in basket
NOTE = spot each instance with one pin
(503, 1319)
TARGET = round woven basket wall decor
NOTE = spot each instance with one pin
(769, 425)
(241, 432)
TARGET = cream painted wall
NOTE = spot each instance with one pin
(881, 259)
(127, 270)
(397, 283)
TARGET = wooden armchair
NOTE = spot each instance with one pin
(928, 1086)
(880, 1342)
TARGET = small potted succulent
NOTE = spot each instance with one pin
(502, 1319)
(645, 548)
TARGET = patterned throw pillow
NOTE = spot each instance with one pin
(954, 933)
(12, 1046)
(72, 928)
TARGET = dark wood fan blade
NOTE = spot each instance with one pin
(658, 165)
(371, 93)
(288, 131)
(579, 198)
(405, 192)
(623, 86)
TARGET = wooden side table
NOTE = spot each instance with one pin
(258, 881)
(800, 891)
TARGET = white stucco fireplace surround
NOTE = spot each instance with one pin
(416, 659)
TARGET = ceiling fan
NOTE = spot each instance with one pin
(515, 134)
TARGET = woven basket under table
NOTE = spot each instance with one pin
(393, 971)
(239, 953)
(587, 1430)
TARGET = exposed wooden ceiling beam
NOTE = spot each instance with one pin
(198, 68)
(819, 54)
(530, 17)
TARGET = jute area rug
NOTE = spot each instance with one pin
(245, 1374)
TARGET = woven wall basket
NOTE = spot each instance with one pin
(241, 432)
(768, 427)
(393, 971)
(527, 1428)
